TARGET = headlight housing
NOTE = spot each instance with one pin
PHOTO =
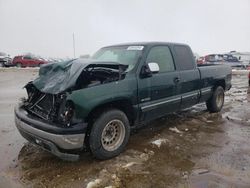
(68, 113)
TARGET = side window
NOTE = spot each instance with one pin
(27, 57)
(162, 56)
(184, 57)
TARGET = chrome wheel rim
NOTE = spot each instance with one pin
(113, 135)
(220, 99)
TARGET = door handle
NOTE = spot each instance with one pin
(177, 80)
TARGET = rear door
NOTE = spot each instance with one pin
(189, 75)
(33, 62)
(158, 94)
(27, 61)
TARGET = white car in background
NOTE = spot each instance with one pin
(5, 60)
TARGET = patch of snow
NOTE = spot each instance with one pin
(174, 129)
(159, 142)
(129, 164)
(94, 184)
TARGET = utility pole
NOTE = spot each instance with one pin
(74, 48)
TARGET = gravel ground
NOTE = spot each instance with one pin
(192, 148)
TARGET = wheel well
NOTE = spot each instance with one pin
(123, 105)
(220, 83)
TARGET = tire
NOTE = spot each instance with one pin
(216, 102)
(109, 134)
(19, 65)
(2, 64)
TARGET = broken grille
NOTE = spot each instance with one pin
(43, 107)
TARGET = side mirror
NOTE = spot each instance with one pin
(148, 70)
(153, 67)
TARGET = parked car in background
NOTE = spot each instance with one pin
(201, 60)
(230, 58)
(28, 61)
(233, 61)
(214, 58)
(5, 60)
(226, 59)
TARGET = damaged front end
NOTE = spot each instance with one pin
(51, 108)
(47, 117)
(47, 95)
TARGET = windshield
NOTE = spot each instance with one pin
(126, 55)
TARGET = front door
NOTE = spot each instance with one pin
(159, 94)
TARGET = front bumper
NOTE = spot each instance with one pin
(59, 141)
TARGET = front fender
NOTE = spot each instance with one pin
(87, 99)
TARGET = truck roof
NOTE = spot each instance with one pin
(146, 44)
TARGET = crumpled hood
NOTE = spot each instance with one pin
(55, 78)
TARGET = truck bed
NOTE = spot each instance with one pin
(210, 74)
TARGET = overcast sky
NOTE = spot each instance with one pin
(45, 27)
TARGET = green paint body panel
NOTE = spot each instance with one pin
(158, 94)
(87, 99)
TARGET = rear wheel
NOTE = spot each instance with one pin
(216, 102)
(1, 64)
(109, 134)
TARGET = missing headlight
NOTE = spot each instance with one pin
(68, 113)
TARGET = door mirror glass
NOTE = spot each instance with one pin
(153, 67)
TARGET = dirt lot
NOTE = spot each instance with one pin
(205, 150)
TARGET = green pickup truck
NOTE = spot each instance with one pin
(94, 103)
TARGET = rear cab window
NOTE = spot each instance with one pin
(184, 58)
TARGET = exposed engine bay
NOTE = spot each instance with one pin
(54, 107)
(97, 75)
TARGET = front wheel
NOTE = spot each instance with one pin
(216, 102)
(109, 134)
